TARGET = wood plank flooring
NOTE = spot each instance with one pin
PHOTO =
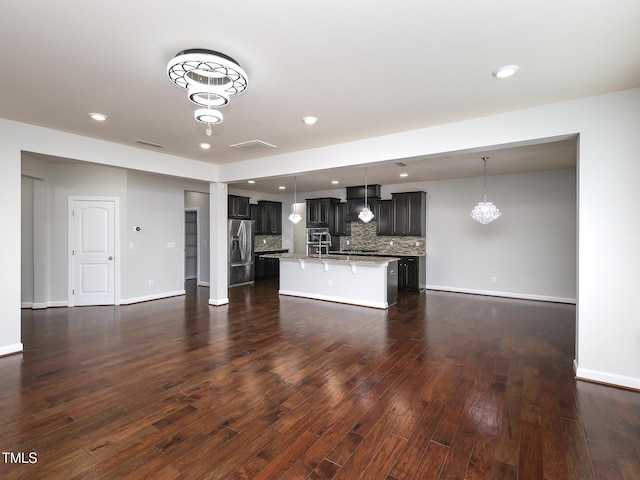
(441, 386)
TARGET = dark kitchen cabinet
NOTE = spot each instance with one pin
(384, 217)
(409, 213)
(321, 212)
(342, 227)
(238, 207)
(267, 267)
(372, 191)
(269, 218)
(412, 273)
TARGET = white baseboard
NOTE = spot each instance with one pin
(11, 349)
(146, 298)
(203, 284)
(604, 377)
(216, 302)
(491, 293)
(42, 305)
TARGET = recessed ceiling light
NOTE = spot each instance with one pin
(282, 187)
(335, 182)
(310, 120)
(205, 146)
(251, 181)
(100, 117)
(404, 174)
(505, 71)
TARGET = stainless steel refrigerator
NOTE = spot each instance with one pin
(240, 252)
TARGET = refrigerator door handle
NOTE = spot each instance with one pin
(242, 232)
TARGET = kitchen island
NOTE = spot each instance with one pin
(355, 279)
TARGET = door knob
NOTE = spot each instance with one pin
(110, 258)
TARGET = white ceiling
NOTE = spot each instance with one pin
(365, 67)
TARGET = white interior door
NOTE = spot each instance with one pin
(93, 252)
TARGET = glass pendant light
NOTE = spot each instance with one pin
(295, 217)
(366, 215)
(485, 212)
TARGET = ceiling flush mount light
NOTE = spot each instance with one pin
(310, 120)
(295, 217)
(205, 146)
(99, 117)
(210, 79)
(485, 212)
(506, 71)
(366, 215)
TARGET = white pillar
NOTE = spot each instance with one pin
(218, 287)
(10, 262)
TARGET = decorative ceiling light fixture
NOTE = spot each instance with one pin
(209, 78)
(366, 215)
(294, 216)
(485, 212)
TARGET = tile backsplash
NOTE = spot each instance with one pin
(363, 236)
(266, 243)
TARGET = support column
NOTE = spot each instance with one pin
(10, 263)
(218, 288)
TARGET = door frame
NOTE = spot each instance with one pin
(192, 209)
(116, 233)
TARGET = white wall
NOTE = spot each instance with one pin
(608, 335)
(154, 202)
(530, 249)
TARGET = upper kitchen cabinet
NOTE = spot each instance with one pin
(238, 207)
(269, 218)
(321, 212)
(384, 217)
(409, 213)
(342, 227)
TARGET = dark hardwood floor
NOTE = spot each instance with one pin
(440, 386)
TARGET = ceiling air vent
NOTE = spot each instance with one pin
(401, 164)
(149, 144)
(252, 146)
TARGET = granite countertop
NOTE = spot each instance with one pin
(272, 250)
(334, 258)
(377, 253)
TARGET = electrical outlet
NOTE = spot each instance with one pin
(151, 283)
(494, 279)
(391, 243)
(330, 283)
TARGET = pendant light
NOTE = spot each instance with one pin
(366, 215)
(295, 217)
(485, 212)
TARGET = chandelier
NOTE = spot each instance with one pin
(366, 215)
(294, 216)
(485, 212)
(210, 79)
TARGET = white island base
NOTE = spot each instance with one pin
(366, 281)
